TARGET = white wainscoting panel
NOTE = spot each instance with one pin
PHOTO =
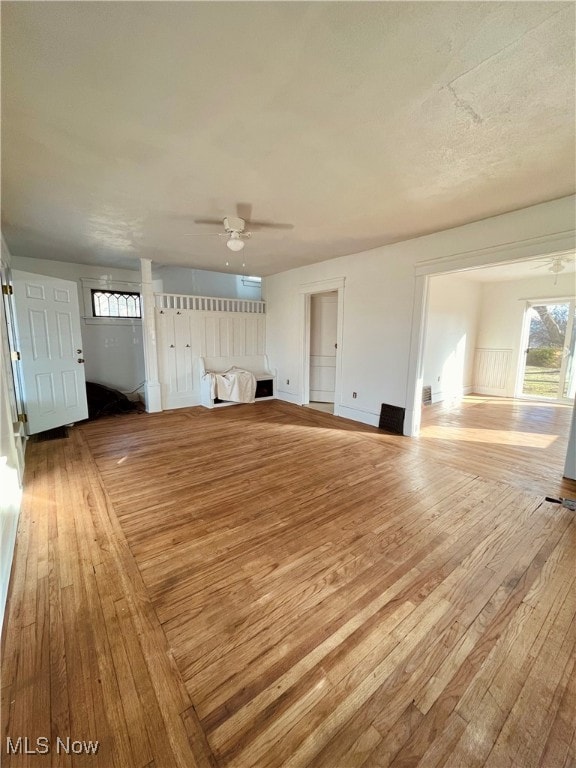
(491, 371)
(238, 335)
(185, 335)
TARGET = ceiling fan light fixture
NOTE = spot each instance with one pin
(556, 266)
(235, 243)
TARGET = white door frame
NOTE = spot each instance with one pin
(306, 291)
(568, 345)
(8, 314)
(522, 250)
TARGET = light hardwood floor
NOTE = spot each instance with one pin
(268, 585)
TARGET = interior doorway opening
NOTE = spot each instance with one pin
(323, 349)
(322, 310)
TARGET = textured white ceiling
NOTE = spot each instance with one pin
(359, 123)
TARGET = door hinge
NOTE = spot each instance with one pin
(23, 418)
(16, 356)
(7, 290)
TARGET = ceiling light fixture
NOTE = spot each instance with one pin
(557, 265)
(235, 243)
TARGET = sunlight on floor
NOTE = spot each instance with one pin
(499, 437)
(516, 401)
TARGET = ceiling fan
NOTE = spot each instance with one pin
(235, 226)
(233, 230)
(555, 264)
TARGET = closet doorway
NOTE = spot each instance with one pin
(322, 310)
(323, 347)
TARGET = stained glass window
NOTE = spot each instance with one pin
(116, 304)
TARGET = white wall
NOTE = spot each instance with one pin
(199, 282)
(502, 308)
(11, 460)
(113, 351)
(10, 493)
(450, 342)
(378, 305)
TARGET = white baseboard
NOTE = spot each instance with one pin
(439, 397)
(288, 398)
(182, 401)
(355, 414)
(491, 391)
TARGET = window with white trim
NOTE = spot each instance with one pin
(252, 280)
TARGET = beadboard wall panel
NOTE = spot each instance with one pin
(491, 371)
(186, 335)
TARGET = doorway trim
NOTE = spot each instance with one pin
(555, 244)
(306, 291)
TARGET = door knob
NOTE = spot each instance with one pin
(78, 351)
(81, 360)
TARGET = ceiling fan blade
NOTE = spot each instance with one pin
(244, 211)
(270, 225)
(209, 221)
(206, 234)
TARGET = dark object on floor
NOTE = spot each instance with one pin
(58, 433)
(392, 419)
(104, 401)
(568, 503)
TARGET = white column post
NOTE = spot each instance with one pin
(152, 392)
(414, 383)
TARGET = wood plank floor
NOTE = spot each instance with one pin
(268, 585)
(522, 442)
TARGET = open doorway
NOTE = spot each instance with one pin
(322, 310)
(500, 354)
(323, 348)
(546, 367)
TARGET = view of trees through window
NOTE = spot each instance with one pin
(116, 304)
(547, 338)
(548, 325)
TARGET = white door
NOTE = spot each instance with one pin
(175, 358)
(50, 346)
(323, 334)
